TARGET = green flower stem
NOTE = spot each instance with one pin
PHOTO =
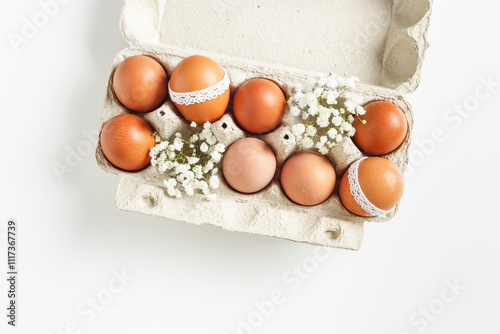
(363, 121)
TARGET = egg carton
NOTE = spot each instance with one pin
(381, 42)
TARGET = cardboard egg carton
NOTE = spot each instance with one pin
(381, 42)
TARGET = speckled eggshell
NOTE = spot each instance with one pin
(381, 182)
(308, 178)
(196, 73)
(385, 129)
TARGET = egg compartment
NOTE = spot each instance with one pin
(110, 93)
(153, 27)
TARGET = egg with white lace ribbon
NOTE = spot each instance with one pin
(371, 187)
(199, 88)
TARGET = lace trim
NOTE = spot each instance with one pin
(358, 194)
(200, 96)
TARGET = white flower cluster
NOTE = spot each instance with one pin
(191, 163)
(327, 112)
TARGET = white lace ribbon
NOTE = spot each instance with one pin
(200, 96)
(358, 194)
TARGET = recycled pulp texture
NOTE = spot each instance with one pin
(381, 41)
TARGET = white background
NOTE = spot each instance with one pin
(201, 279)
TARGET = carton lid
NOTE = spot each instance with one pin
(382, 42)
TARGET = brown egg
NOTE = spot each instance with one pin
(259, 105)
(374, 190)
(194, 74)
(249, 165)
(384, 131)
(140, 83)
(126, 141)
(308, 178)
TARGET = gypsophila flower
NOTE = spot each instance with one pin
(298, 129)
(327, 111)
(193, 160)
(295, 111)
(172, 191)
(189, 175)
(162, 146)
(318, 91)
(216, 156)
(214, 182)
(203, 185)
(178, 144)
(198, 172)
(190, 163)
(337, 121)
(313, 110)
(324, 112)
(307, 142)
(211, 140)
(311, 99)
(311, 130)
(189, 191)
(206, 133)
(209, 165)
(162, 167)
(301, 102)
(170, 183)
(360, 110)
(193, 124)
(349, 105)
(220, 148)
(153, 152)
(323, 122)
(157, 137)
(323, 150)
(332, 133)
(331, 97)
(181, 168)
